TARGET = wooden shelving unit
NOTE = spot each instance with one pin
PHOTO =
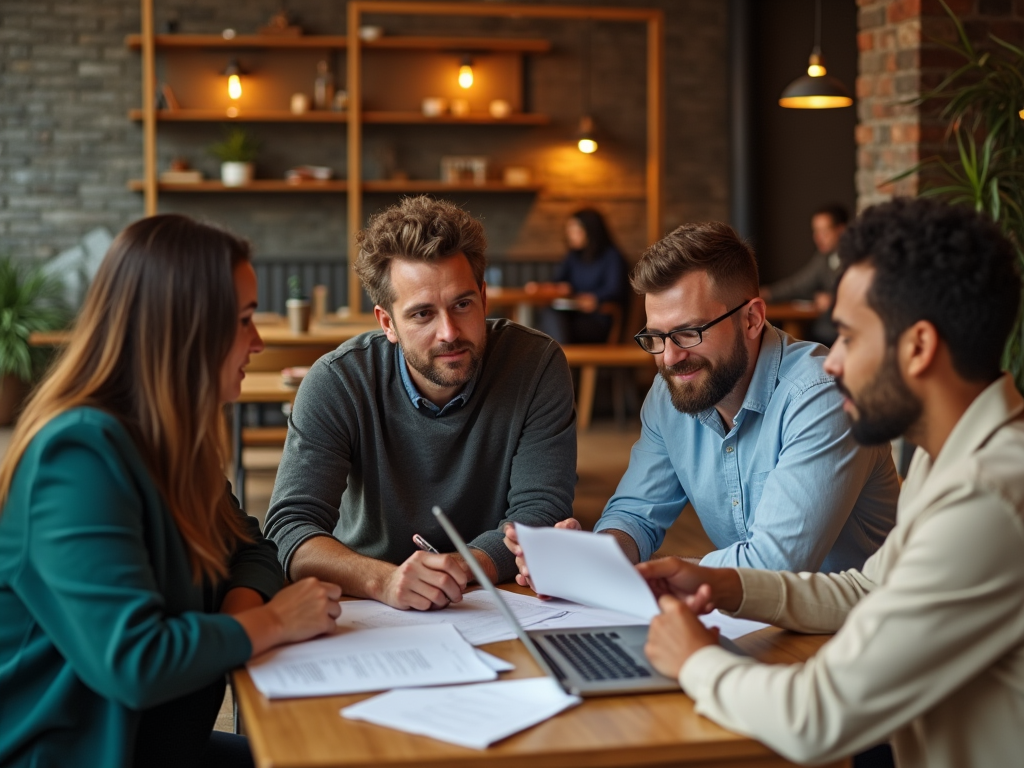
(414, 186)
(257, 185)
(355, 187)
(378, 118)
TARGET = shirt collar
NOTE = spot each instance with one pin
(418, 399)
(998, 403)
(762, 383)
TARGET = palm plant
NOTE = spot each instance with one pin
(982, 106)
(30, 301)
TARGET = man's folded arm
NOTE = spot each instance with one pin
(940, 620)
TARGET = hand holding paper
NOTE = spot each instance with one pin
(587, 568)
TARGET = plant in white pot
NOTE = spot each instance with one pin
(236, 154)
(298, 306)
(29, 301)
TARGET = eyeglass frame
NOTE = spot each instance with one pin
(645, 334)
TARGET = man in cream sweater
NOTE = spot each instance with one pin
(929, 643)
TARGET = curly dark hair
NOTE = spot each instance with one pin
(944, 264)
(417, 229)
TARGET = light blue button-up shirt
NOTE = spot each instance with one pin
(785, 488)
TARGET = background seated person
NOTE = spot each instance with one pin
(743, 422)
(816, 280)
(130, 581)
(594, 274)
(440, 406)
(929, 643)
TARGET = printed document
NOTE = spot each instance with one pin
(364, 660)
(587, 568)
(477, 617)
(472, 716)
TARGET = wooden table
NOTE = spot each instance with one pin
(648, 730)
(521, 303)
(794, 317)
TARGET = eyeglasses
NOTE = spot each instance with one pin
(684, 338)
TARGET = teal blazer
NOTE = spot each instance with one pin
(109, 653)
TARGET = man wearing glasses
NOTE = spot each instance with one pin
(743, 423)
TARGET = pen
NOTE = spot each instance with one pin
(423, 544)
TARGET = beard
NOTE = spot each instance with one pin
(886, 408)
(693, 397)
(446, 374)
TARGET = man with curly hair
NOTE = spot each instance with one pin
(929, 644)
(440, 406)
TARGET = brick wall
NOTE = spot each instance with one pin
(67, 148)
(902, 56)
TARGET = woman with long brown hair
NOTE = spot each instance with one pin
(130, 580)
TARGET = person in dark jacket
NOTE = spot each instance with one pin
(594, 274)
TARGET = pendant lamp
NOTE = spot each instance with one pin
(586, 141)
(816, 90)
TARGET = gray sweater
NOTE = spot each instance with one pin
(364, 464)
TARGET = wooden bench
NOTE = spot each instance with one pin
(588, 358)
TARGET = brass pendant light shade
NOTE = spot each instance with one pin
(816, 89)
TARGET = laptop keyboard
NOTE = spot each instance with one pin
(597, 656)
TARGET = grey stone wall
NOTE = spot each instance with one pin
(67, 148)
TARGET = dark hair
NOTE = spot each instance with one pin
(944, 264)
(713, 247)
(417, 229)
(599, 239)
(835, 211)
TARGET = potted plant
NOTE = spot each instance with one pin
(236, 154)
(29, 301)
(982, 102)
(298, 306)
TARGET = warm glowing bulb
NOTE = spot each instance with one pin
(234, 86)
(466, 75)
(587, 146)
(1021, 113)
(816, 70)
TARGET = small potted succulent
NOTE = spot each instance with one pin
(236, 154)
(298, 306)
(29, 301)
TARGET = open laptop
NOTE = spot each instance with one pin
(601, 661)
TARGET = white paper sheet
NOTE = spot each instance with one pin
(472, 716)
(576, 616)
(477, 617)
(492, 661)
(369, 660)
(730, 627)
(587, 568)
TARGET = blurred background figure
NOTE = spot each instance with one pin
(594, 275)
(816, 280)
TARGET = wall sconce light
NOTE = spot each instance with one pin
(816, 90)
(586, 143)
(233, 72)
(466, 72)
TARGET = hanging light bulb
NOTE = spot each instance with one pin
(466, 72)
(816, 90)
(234, 72)
(586, 143)
(1021, 113)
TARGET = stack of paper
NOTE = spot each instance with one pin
(369, 660)
(473, 716)
(477, 617)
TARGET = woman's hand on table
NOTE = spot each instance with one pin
(300, 611)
